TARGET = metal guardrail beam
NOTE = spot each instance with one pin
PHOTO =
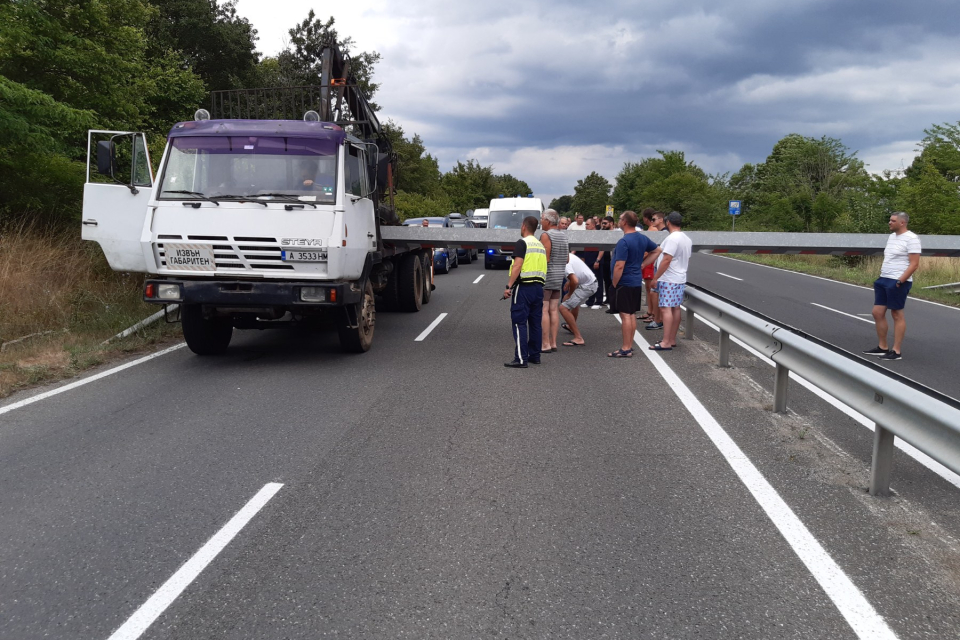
(925, 418)
(848, 244)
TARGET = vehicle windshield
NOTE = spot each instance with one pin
(242, 166)
(509, 219)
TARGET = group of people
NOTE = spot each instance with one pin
(548, 283)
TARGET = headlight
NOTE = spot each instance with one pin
(313, 294)
(168, 292)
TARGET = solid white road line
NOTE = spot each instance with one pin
(80, 383)
(810, 275)
(150, 610)
(853, 606)
(942, 471)
(433, 325)
(843, 313)
(720, 273)
(479, 278)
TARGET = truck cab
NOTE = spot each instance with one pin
(251, 222)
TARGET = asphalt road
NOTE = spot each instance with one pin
(427, 492)
(931, 355)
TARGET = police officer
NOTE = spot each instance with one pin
(528, 273)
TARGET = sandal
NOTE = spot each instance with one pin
(645, 318)
(566, 327)
(659, 347)
(621, 353)
(573, 344)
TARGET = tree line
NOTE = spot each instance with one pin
(805, 184)
(67, 66)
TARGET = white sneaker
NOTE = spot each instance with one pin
(596, 306)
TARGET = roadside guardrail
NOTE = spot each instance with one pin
(840, 244)
(899, 406)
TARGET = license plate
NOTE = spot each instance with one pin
(303, 256)
(189, 257)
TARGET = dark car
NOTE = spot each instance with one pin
(466, 255)
(444, 259)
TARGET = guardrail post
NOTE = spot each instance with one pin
(780, 389)
(724, 348)
(882, 464)
(688, 323)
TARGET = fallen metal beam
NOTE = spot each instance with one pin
(720, 242)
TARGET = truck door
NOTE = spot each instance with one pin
(361, 237)
(119, 185)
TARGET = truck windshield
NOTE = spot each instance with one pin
(244, 166)
(509, 219)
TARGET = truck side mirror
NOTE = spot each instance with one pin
(107, 157)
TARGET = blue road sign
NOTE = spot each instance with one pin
(735, 207)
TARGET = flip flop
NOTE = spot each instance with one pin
(573, 344)
(659, 347)
(620, 353)
(566, 327)
(645, 318)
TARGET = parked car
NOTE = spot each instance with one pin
(467, 255)
(444, 259)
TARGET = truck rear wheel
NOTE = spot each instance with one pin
(358, 339)
(204, 336)
(410, 283)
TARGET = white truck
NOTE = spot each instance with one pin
(256, 222)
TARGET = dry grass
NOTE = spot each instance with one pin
(863, 271)
(58, 301)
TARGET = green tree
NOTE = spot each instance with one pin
(510, 186)
(940, 149)
(416, 170)
(416, 205)
(208, 37)
(591, 195)
(69, 65)
(670, 183)
(931, 200)
(562, 204)
(804, 183)
(299, 64)
(469, 186)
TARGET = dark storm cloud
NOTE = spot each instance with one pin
(718, 82)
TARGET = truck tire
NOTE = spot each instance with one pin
(389, 296)
(359, 339)
(426, 261)
(468, 259)
(205, 337)
(410, 283)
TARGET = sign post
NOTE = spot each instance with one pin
(735, 211)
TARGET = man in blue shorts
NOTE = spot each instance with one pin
(627, 277)
(901, 257)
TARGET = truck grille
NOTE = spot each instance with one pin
(242, 253)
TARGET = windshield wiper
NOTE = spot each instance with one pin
(283, 197)
(230, 196)
(197, 194)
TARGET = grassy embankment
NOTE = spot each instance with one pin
(59, 300)
(865, 270)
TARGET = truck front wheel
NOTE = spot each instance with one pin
(204, 336)
(358, 339)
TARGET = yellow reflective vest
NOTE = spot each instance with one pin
(534, 269)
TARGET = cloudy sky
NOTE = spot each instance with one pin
(550, 90)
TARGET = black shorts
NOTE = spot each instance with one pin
(627, 299)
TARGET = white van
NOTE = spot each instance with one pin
(479, 217)
(508, 213)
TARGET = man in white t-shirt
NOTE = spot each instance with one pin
(901, 257)
(670, 278)
(581, 285)
(579, 225)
